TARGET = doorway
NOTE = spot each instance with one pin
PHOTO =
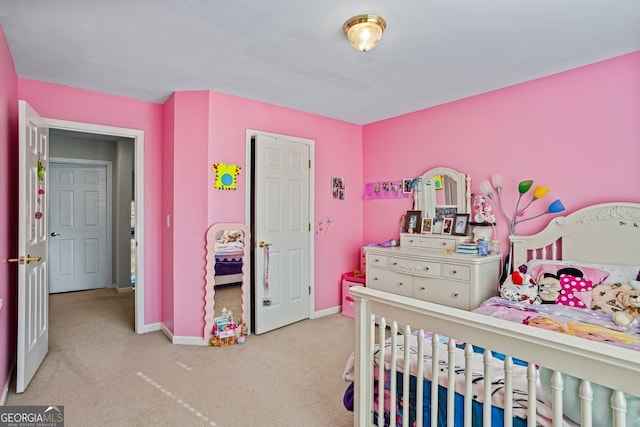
(80, 222)
(280, 214)
(124, 148)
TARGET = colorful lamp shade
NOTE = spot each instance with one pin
(487, 188)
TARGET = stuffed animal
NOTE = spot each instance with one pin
(549, 288)
(520, 287)
(630, 300)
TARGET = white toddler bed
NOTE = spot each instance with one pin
(536, 375)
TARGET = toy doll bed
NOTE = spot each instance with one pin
(229, 250)
(532, 376)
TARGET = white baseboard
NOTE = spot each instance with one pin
(125, 289)
(5, 389)
(327, 312)
(183, 340)
(152, 327)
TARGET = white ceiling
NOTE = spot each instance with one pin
(293, 53)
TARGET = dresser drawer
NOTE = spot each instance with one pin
(442, 292)
(455, 271)
(424, 268)
(375, 259)
(390, 281)
(416, 241)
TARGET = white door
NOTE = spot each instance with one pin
(33, 295)
(80, 253)
(282, 223)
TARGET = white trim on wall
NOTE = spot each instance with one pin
(138, 137)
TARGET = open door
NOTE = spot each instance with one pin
(282, 232)
(33, 293)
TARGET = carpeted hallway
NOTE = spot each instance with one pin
(105, 374)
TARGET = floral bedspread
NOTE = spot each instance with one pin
(589, 324)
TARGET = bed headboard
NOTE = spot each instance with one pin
(607, 233)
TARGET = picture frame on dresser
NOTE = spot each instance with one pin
(412, 222)
(447, 225)
(427, 225)
(460, 225)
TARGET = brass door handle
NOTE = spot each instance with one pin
(263, 244)
(23, 260)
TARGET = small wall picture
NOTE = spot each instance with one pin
(337, 187)
(406, 185)
(447, 225)
(412, 222)
(460, 224)
(427, 225)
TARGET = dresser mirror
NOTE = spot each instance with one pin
(227, 280)
(442, 187)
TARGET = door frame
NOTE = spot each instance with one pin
(247, 205)
(109, 207)
(138, 140)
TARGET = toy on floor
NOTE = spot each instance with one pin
(225, 332)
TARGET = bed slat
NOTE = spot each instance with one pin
(451, 410)
(586, 399)
(468, 393)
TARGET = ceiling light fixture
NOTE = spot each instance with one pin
(364, 31)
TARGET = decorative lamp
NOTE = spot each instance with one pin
(364, 31)
(523, 188)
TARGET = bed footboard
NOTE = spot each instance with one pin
(477, 368)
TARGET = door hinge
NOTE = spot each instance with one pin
(309, 227)
(309, 290)
(309, 163)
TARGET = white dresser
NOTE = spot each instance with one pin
(417, 269)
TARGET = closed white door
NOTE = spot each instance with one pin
(282, 232)
(33, 295)
(80, 252)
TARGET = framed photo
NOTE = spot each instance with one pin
(460, 224)
(337, 187)
(447, 225)
(412, 222)
(406, 185)
(427, 225)
(445, 211)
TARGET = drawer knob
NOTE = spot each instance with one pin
(401, 284)
(377, 260)
(375, 278)
(426, 268)
(422, 288)
(411, 241)
(395, 263)
(444, 243)
(454, 272)
(455, 295)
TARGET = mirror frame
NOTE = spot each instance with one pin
(209, 298)
(463, 190)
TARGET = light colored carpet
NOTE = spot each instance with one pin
(105, 374)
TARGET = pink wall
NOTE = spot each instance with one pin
(338, 152)
(576, 132)
(168, 145)
(66, 103)
(189, 218)
(8, 217)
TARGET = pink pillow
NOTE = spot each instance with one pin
(571, 286)
(593, 274)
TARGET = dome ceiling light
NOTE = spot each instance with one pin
(364, 31)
